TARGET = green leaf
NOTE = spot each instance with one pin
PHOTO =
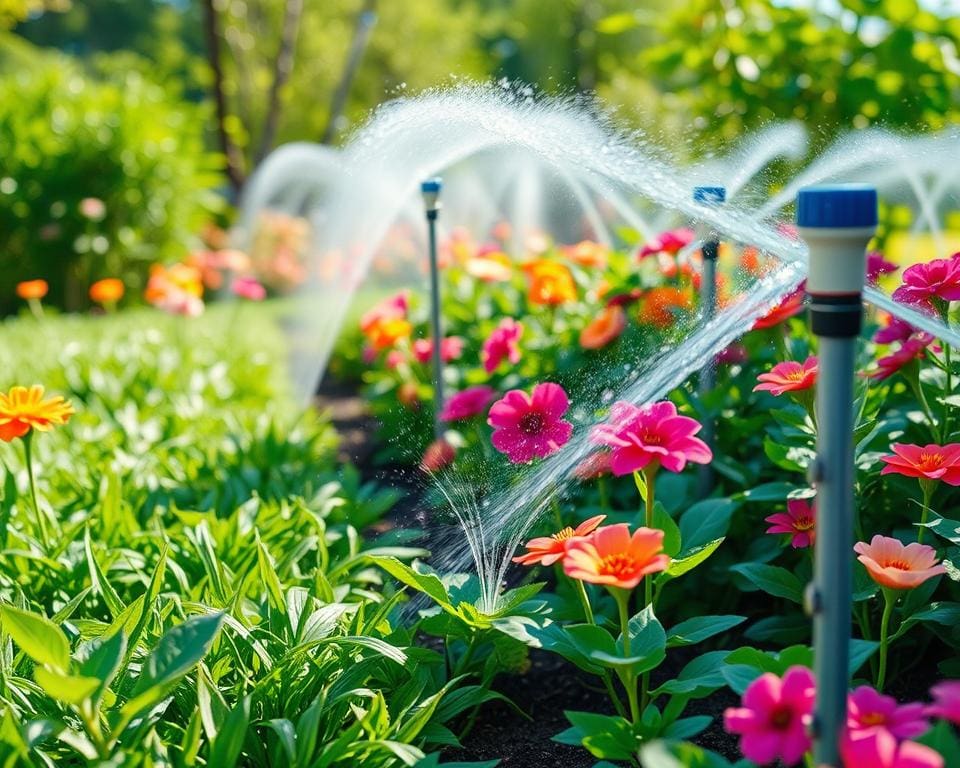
(69, 689)
(739, 676)
(943, 739)
(270, 580)
(671, 531)
(617, 23)
(860, 652)
(689, 561)
(101, 658)
(604, 736)
(226, 747)
(706, 521)
(38, 637)
(772, 579)
(944, 528)
(699, 628)
(667, 754)
(98, 580)
(940, 612)
(428, 583)
(773, 492)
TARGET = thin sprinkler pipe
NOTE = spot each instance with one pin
(431, 199)
(710, 251)
(837, 222)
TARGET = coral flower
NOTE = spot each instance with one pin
(662, 304)
(248, 288)
(772, 721)
(503, 344)
(946, 701)
(652, 433)
(587, 253)
(438, 455)
(799, 521)
(878, 748)
(789, 376)
(612, 557)
(930, 462)
(937, 279)
(450, 349)
(387, 332)
(866, 708)
(892, 564)
(546, 550)
(594, 466)
(550, 283)
(32, 289)
(107, 291)
(790, 305)
(530, 426)
(494, 267)
(750, 261)
(465, 405)
(912, 349)
(877, 266)
(671, 242)
(606, 327)
(23, 409)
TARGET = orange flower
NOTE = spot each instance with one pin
(491, 267)
(611, 556)
(660, 306)
(24, 409)
(587, 253)
(386, 332)
(107, 291)
(750, 261)
(32, 289)
(550, 283)
(546, 550)
(178, 277)
(606, 327)
(892, 564)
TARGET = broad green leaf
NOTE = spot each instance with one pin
(69, 689)
(428, 583)
(98, 580)
(706, 521)
(689, 561)
(699, 628)
(604, 736)
(101, 658)
(772, 579)
(38, 637)
(226, 747)
(671, 531)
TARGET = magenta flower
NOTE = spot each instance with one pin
(895, 330)
(946, 701)
(799, 521)
(789, 376)
(248, 288)
(671, 242)
(450, 349)
(877, 266)
(465, 405)
(530, 426)
(503, 344)
(878, 748)
(654, 433)
(912, 349)
(866, 708)
(732, 355)
(772, 721)
(939, 279)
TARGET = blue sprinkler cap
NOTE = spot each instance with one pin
(431, 186)
(710, 195)
(839, 206)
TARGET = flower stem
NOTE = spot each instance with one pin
(927, 410)
(28, 456)
(947, 392)
(649, 475)
(889, 599)
(588, 615)
(629, 679)
(928, 487)
(585, 601)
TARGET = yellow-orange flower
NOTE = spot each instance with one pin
(32, 289)
(107, 291)
(611, 556)
(606, 327)
(550, 283)
(24, 409)
(660, 306)
(386, 332)
(178, 277)
(587, 253)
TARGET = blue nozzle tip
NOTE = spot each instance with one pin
(837, 206)
(431, 185)
(709, 195)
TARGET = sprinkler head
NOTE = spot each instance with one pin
(710, 195)
(430, 189)
(839, 206)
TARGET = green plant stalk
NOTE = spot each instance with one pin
(889, 600)
(927, 487)
(649, 476)
(917, 388)
(947, 391)
(28, 457)
(588, 615)
(629, 679)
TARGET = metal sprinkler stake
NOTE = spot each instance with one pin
(837, 222)
(431, 201)
(710, 250)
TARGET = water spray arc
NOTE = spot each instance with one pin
(837, 222)
(431, 202)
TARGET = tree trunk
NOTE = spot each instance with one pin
(230, 150)
(293, 11)
(361, 35)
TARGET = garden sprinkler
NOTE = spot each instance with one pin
(836, 222)
(709, 196)
(431, 201)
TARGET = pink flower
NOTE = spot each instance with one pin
(671, 242)
(866, 708)
(594, 466)
(178, 302)
(394, 308)
(877, 266)
(895, 330)
(878, 748)
(799, 521)
(912, 349)
(772, 721)
(789, 376)
(93, 208)
(653, 433)
(467, 404)
(439, 454)
(248, 288)
(927, 462)
(450, 349)
(394, 359)
(892, 564)
(530, 426)
(503, 344)
(946, 701)
(939, 279)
